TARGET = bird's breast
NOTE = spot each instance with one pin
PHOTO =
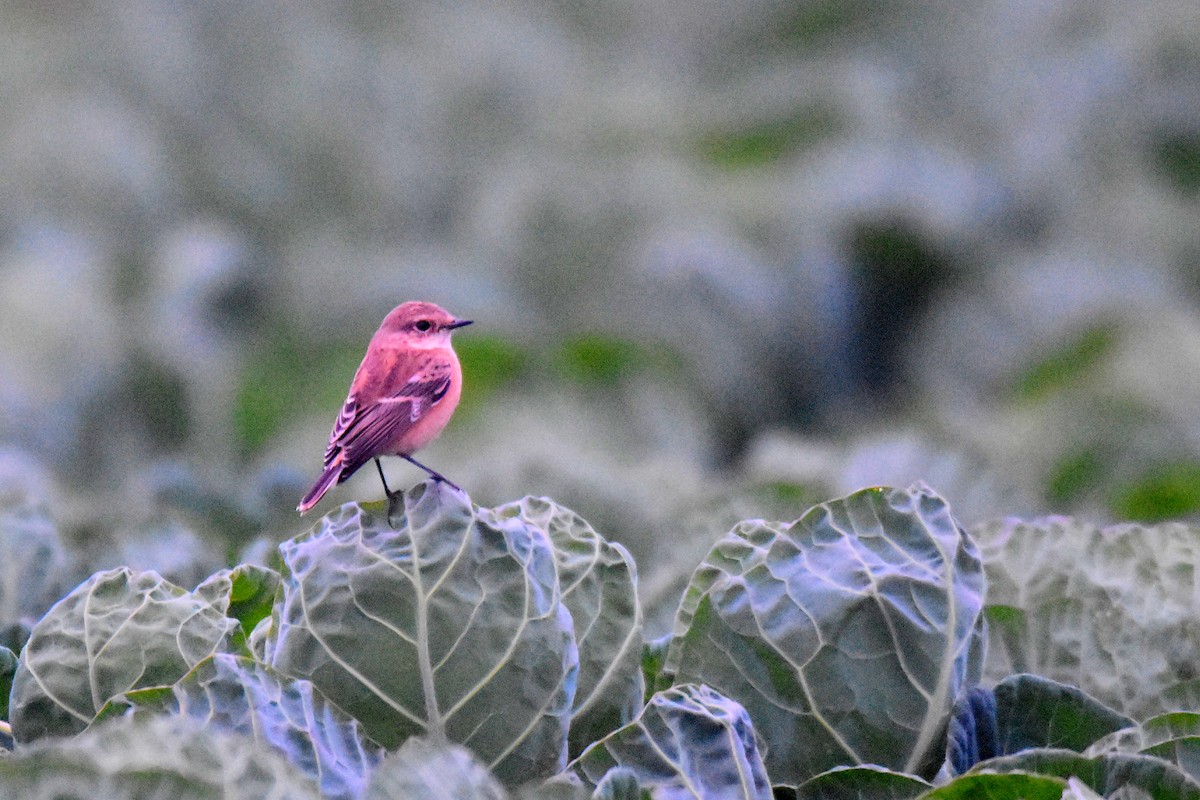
(435, 417)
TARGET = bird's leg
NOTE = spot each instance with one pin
(390, 495)
(437, 476)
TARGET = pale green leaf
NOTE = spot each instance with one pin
(1111, 610)
(847, 635)
(245, 593)
(155, 758)
(116, 632)
(425, 770)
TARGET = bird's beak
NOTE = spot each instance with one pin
(459, 323)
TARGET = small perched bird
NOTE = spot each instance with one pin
(400, 399)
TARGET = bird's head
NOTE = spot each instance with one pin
(421, 322)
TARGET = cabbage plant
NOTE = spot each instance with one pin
(436, 648)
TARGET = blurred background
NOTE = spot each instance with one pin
(725, 259)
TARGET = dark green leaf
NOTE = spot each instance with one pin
(8, 668)
(1010, 786)
(1037, 712)
(1177, 157)
(1066, 365)
(1029, 711)
(159, 757)
(654, 655)
(1104, 774)
(856, 783)
(769, 140)
(600, 360)
(1164, 492)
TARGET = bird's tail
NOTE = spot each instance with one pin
(328, 478)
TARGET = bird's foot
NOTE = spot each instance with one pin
(440, 479)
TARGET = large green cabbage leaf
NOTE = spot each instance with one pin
(443, 620)
(1133, 775)
(1174, 737)
(1023, 712)
(846, 635)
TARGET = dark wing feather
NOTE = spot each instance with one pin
(363, 432)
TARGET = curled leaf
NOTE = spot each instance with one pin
(688, 742)
(240, 695)
(246, 593)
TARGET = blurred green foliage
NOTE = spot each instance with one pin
(769, 140)
(157, 396)
(787, 493)
(489, 363)
(806, 24)
(1177, 157)
(1076, 473)
(1062, 367)
(598, 359)
(601, 360)
(1164, 492)
(289, 376)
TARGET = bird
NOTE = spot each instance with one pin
(400, 399)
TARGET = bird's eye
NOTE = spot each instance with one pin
(424, 325)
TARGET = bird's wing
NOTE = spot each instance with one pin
(382, 406)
